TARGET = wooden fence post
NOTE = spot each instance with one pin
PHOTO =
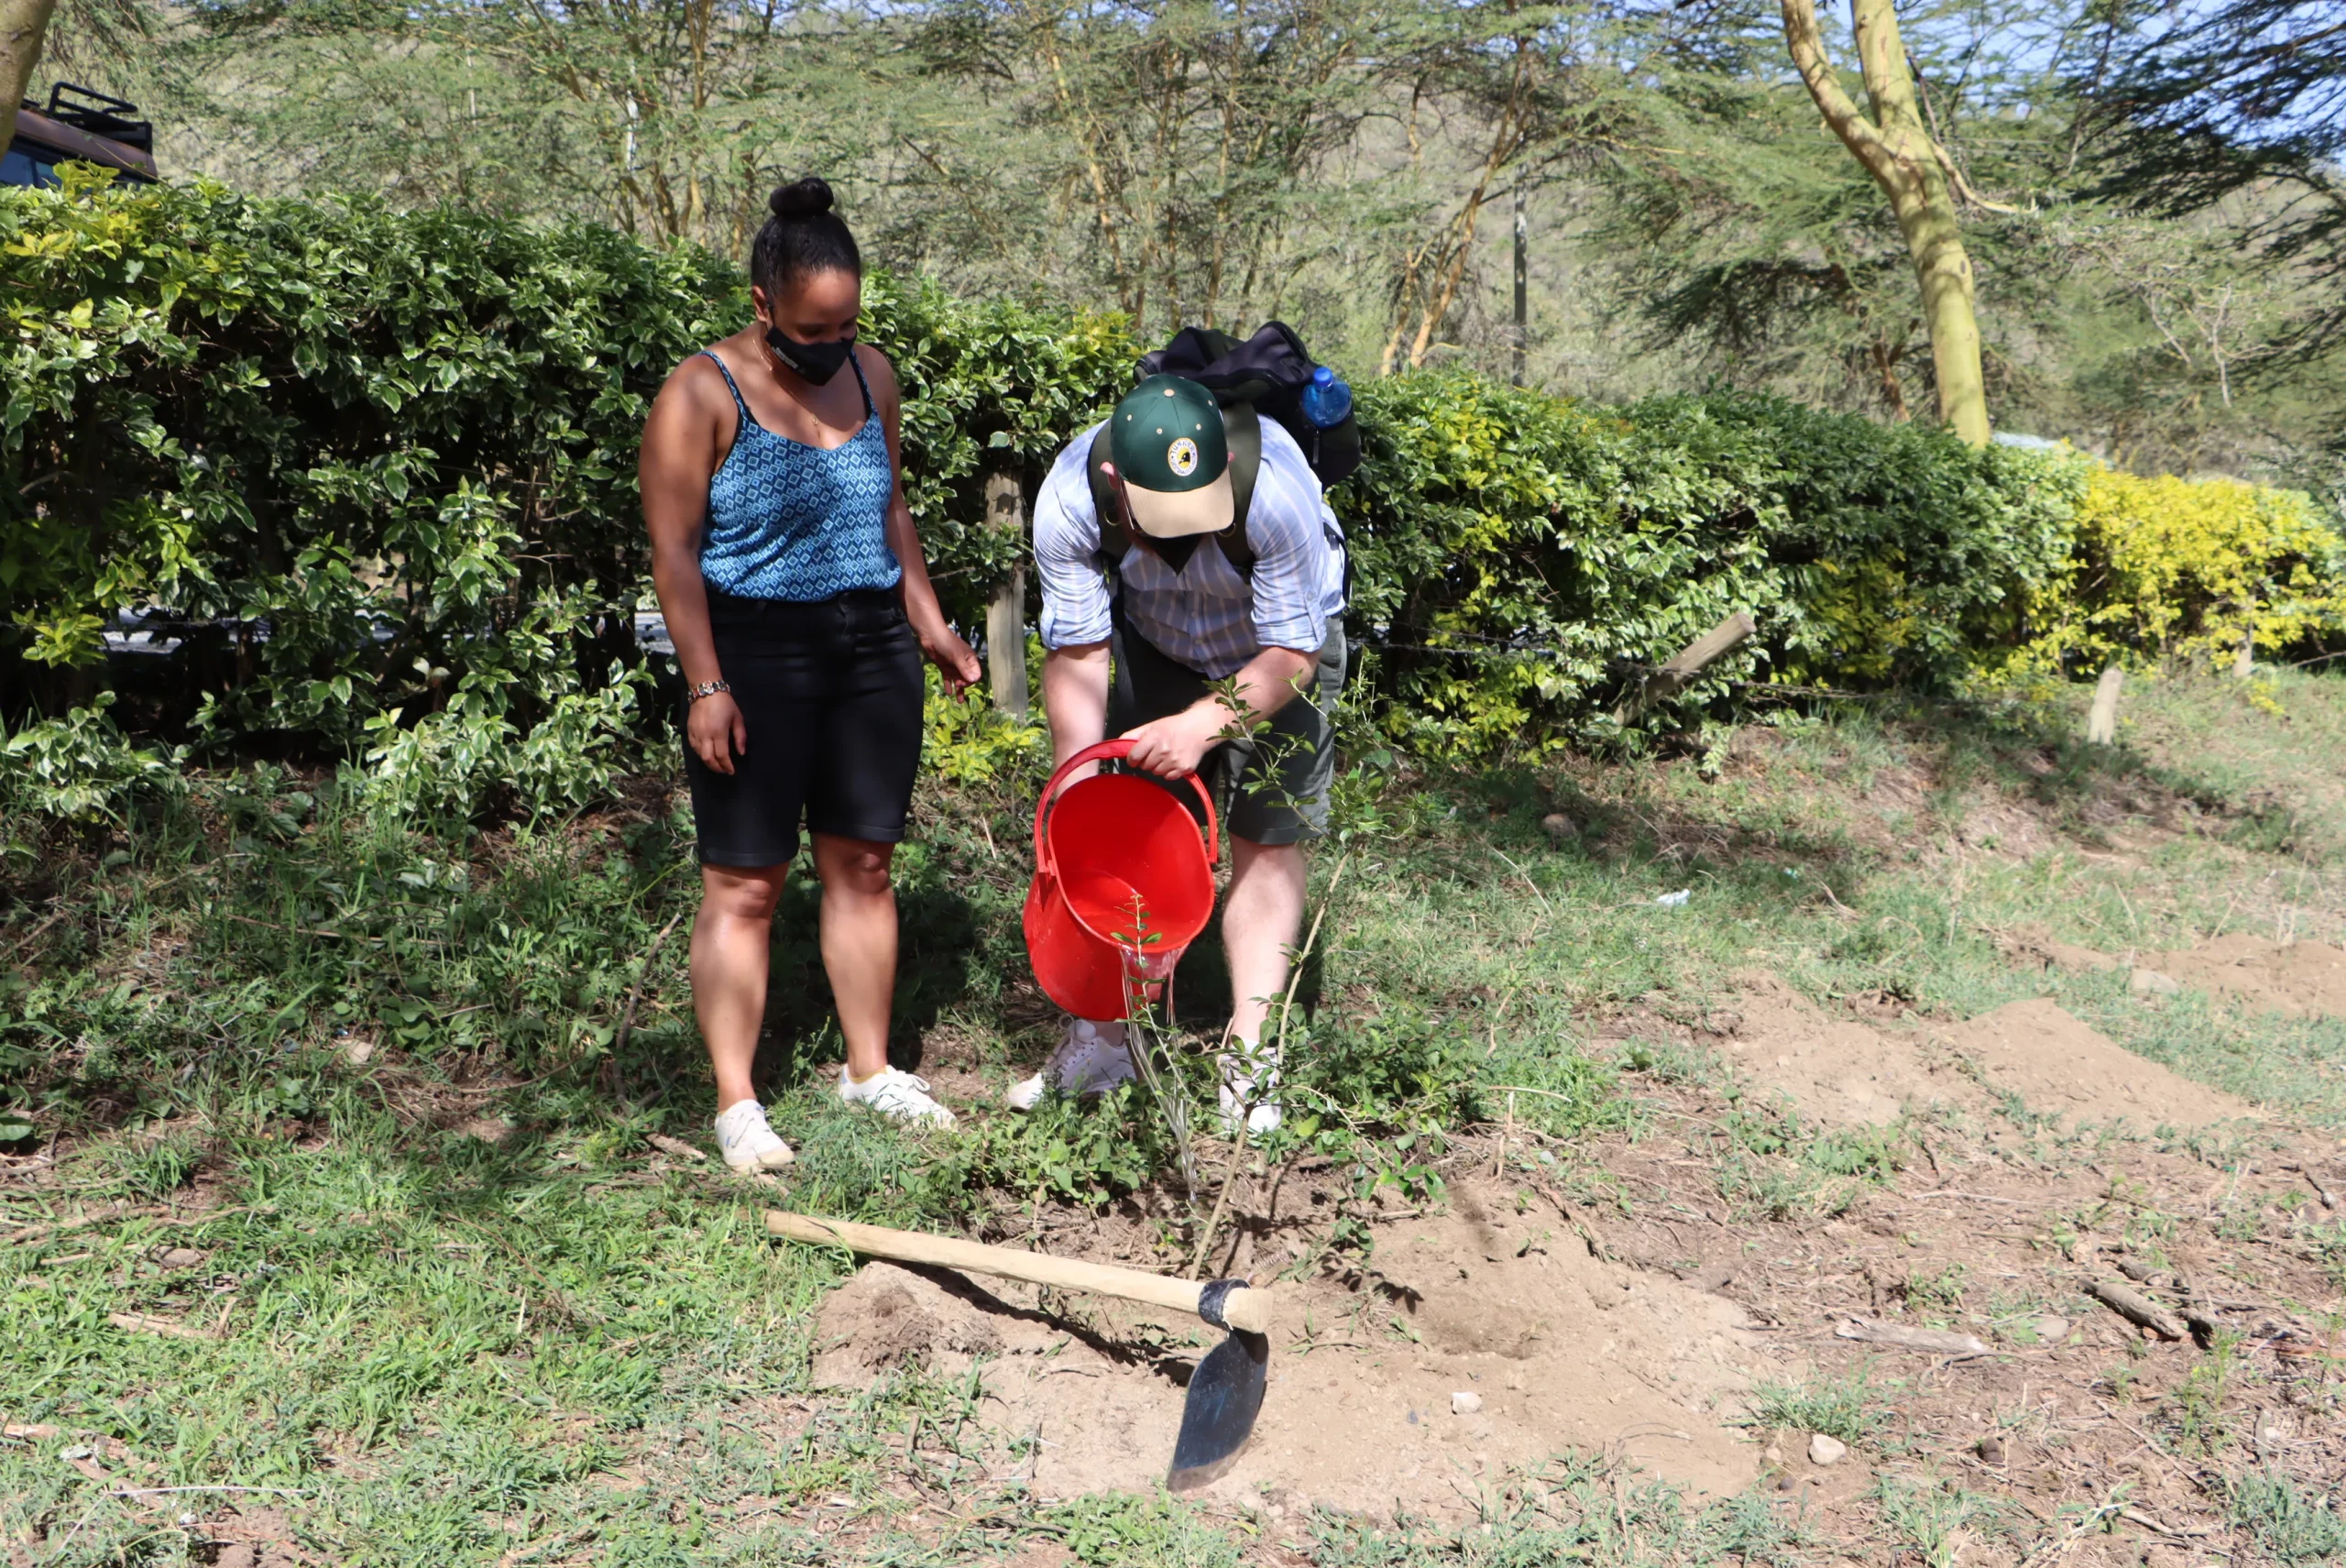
(1683, 666)
(1006, 615)
(2101, 724)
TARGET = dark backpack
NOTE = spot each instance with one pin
(1264, 375)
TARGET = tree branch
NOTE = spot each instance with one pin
(1842, 115)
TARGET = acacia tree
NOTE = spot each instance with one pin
(1185, 142)
(1517, 92)
(666, 118)
(1915, 172)
(2238, 97)
(23, 24)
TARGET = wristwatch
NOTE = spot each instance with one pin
(707, 688)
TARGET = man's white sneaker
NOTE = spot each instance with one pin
(747, 1141)
(1250, 1083)
(1090, 1059)
(895, 1094)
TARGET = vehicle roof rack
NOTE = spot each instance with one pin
(99, 114)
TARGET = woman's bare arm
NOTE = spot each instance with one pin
(688, 430)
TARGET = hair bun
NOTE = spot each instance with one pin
(801, 199)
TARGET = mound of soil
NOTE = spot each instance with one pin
(2034, 945)
(2295, 978)
(1556, 1349)
(1835, 1070)
(889, 1316)
(2059, 1065)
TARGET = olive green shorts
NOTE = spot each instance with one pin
(1270, 789)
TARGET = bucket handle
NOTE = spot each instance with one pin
(1116, 750)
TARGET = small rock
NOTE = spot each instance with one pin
(1787, 1483)
(1466, 1403)
(180, 1258)
(1557, 826)
(1413, 1418)
(1772, 1455)
(1991, 1450)
(357, 1051)
(2151, 982)
(2052, 1329)
(1822, 1450)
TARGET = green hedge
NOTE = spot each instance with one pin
(404, 444)
(1488, 518)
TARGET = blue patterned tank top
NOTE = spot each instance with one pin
(787, 521)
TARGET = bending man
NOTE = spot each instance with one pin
(1168, 568)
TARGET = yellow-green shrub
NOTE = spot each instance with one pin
(2167, 569)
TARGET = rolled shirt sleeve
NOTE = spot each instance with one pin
(1067, 553)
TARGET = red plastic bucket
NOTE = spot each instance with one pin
(1122, 885)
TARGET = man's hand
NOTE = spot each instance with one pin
(713, 724)
(1172, 747)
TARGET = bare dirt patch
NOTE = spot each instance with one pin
(2059, 1065)
(1835, 1068)
(1556, 1349)
(2294, 978)
(2291, 978)
(1840, 1070)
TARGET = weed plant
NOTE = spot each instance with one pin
(2289, 1524)
(1852, 1408)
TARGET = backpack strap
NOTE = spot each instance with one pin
(1243, 429)
(1113, 540)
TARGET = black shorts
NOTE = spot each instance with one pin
(1272, 789)
(830, 694)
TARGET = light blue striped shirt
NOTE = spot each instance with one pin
(1205, 616)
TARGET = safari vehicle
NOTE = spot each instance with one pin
(78, 124)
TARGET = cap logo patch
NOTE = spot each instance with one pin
(1182, 457)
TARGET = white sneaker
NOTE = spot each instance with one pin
(895, 1094)
(745, 1140)
(1091, 1058)
(1250, 1077)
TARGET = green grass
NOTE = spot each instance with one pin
(441, 1348)
(1853, 1408)
(2289, 1525)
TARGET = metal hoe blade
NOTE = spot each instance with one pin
(1225, 1392)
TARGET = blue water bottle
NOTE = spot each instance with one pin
(1327, 401)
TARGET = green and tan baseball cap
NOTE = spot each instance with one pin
(1166, 442)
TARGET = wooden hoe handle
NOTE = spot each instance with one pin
(1241, 1308)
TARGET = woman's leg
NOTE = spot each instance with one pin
(859, 935)
(730, 939)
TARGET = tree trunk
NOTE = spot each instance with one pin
(1006, 615)
(22, 25)
(1897, 149)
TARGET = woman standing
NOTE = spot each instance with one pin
(800, 606)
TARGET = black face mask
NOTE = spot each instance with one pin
(814, 363)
